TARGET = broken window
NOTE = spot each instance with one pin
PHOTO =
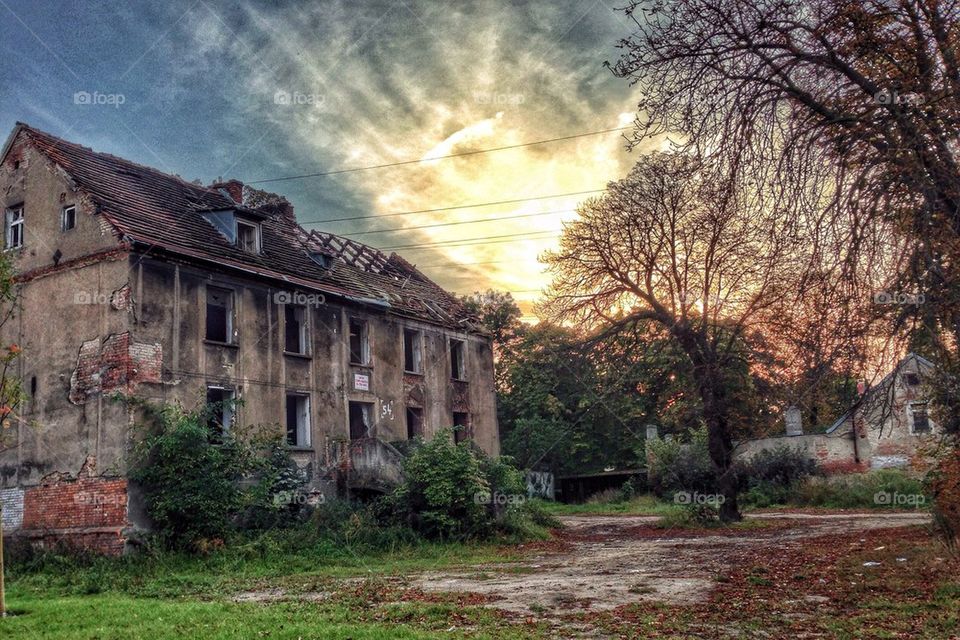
(68, 218)
(412, 351)
(457, 363)
(295, 329)
(911, 379)
(248, 237)
(359, 342)
(298, 420)
(14, 227)
(361, 420)
(461, 426)
(921, 422)
(219, 315)
(220, 402)
(414, 423)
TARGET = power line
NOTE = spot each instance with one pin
(448, 224)
(469, 241)
(461, 206)
(451, 155)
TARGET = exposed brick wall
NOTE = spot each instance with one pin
(116, 364)
(88, 511)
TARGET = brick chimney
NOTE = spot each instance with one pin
(232, 186)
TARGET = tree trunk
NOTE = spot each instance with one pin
(719, 443)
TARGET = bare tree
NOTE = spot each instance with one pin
(713, 263)
(869, 89)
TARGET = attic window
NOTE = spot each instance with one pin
(911, 379)
(248, 237)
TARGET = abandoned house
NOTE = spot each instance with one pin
(136, 281)
(886, 427)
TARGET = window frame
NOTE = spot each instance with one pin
(228, 414)
(72, 208)
(231, 313)
(913, 419)
(417, 359)
(9, 222)
(257, 242)
(418, 431)
(366, 414)
(461, 434)
(458, 373)
(301, 430)
(303, 334)
(364, 337)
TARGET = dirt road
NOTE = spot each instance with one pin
(603, 562)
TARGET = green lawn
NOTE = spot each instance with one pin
(107, 617)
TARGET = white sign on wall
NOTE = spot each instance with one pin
(361, 382)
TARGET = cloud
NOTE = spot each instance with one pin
(377, 83)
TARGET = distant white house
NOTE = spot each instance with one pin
(884, 428)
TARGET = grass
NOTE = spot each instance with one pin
(108, 617)
(641, 505)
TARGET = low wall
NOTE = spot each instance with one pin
(88, 511)
(834, 453)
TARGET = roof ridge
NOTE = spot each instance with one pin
(31, 130)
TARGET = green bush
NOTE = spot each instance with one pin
(675, 465)
(190, 477)
(861, 490)
(278, 498)
(454, 491)
(772, 476)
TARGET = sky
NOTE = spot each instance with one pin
(258, 91)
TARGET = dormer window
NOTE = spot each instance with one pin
(243, 234)
(248, 237)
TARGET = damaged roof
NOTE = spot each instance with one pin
(158, 212)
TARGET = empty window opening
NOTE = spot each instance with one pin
(361, 420)
(461, 426)
(14, 227)
(295, 329)
(248, 237)
(921, 422)
(68, 218)
(298, 420)
(359, 342)
(220, 405)
(457, 362)
(219, 314)
(414, 423)
(33, 385)
(412, 356)
(911, 379)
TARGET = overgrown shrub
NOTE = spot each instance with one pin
(190, 477)
(278, 498)
(772, 476)
(878, 488)
(675, 465)
(455, 491)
